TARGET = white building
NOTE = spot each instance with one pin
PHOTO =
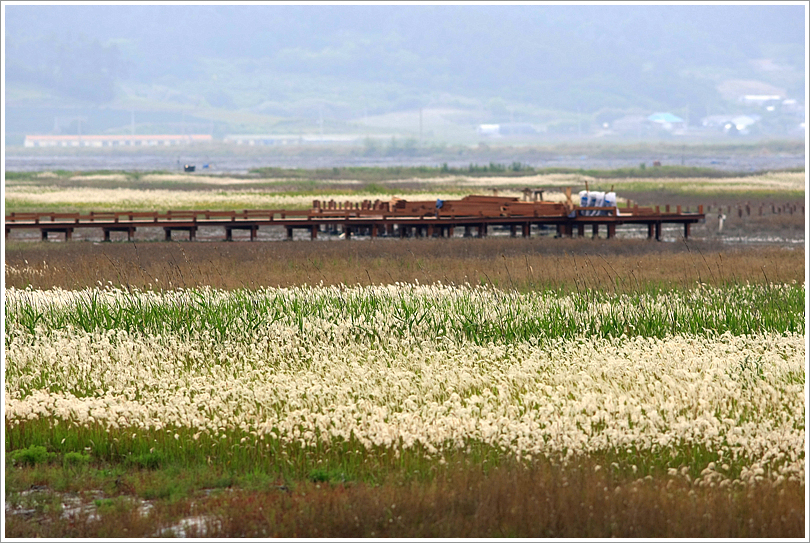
(760, 99)
(491, 130)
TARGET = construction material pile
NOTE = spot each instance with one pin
(478, 206)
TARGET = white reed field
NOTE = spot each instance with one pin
(122, 192)
(707, 383)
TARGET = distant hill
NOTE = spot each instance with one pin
(306, 66)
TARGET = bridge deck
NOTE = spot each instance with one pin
(376, 221)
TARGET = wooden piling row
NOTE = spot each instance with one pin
(763, 209)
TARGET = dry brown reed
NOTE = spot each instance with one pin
(543, 500)
(523, 264)
(539, 502)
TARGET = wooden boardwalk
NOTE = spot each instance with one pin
(411, 219)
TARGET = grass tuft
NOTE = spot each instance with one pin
(32, 455)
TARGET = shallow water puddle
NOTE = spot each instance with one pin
(38, 499)
(198, 526)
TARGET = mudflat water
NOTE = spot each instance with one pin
(242, 164)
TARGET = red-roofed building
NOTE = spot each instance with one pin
(114, 140)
